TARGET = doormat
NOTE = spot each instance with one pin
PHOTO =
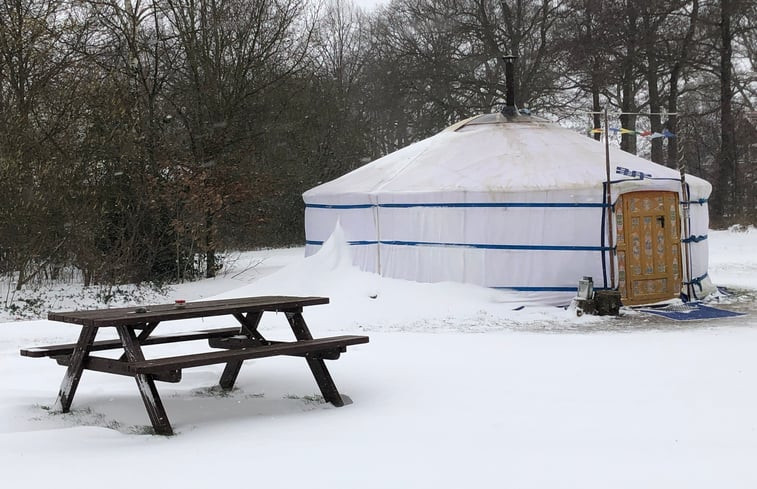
(691, 312)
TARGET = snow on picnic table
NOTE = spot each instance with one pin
(456, 389)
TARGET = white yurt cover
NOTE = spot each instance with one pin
(503, 202)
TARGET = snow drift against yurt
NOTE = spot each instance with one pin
(519, 203)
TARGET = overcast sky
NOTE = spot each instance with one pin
(370, 4)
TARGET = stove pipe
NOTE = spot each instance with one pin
(509, 109)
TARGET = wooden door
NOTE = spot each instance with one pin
(648, 247)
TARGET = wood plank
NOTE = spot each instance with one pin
(249, 331)
(250, 323)
(118, 367)
(324, 381)
(298, 325)
(230, 374)
(73, 373)
(145, 383)
(237, 342)
(209, 358)
(165, 312)
(317, 365)
(143, 335)
(66, 349)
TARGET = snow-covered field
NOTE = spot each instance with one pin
(459, 387)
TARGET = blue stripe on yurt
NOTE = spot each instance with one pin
(493, 204)
(475, 245)
(339, 206)
(496, 246)
(459, 205)
(698, 201)
(544, 289)
(353, 243)
(694, 239)
(539, 289)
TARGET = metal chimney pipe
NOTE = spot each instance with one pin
(509, 109)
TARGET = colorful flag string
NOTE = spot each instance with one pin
(648, 134)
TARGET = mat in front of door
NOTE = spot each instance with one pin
(690, 312)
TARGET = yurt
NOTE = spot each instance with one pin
(515, 202)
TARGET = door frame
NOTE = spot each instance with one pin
(660, 261)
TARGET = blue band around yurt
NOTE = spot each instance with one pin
(339, 206)
(494, 204)
(544, 289)
(472, 245)
(460, 205)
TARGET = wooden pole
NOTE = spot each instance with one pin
(610, 240)
(685, 216)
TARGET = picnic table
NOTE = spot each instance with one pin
(233, 345)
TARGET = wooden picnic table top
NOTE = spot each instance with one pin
(166, 312)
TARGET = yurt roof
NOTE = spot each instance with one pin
(498, 154)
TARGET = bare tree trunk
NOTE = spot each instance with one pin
(675, 76)
(671, 125)
(655, 105)
(210, 247)
(725, 186)
(595, 107)
(628, 92)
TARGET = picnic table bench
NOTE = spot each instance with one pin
(135, 325)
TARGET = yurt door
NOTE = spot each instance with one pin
(649, 247)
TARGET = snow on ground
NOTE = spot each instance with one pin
(733, 257)
(458, 387)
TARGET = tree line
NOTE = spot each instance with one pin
(139, 139)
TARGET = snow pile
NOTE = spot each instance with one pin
(373, 303)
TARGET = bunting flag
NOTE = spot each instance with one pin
(647, 134)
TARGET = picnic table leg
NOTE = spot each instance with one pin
(249, 328)
(143, 335)
(145, 383)
(75, 368)
(317, 365)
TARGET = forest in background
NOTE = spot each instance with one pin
(140, 139)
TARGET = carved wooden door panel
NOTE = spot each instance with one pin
(648, 247)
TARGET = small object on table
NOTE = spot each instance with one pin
(180, 303)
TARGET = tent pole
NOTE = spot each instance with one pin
(610, 240)
(685, 223)
(378, 238)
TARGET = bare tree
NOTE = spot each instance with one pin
(38, 63)
(232, 52)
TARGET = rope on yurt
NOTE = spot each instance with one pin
(696, 281)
